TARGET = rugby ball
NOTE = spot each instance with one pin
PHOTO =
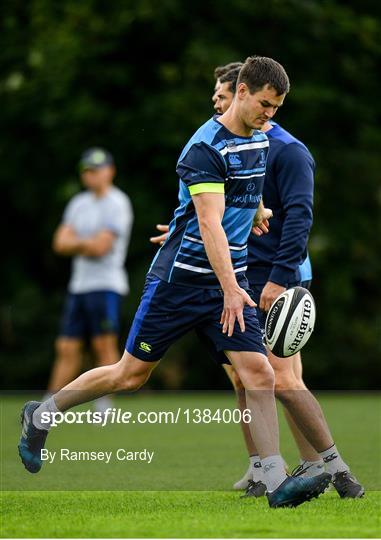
(290, 322)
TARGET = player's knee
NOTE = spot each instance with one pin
(267, 375)
(127, 382)
(286, 384)
(67, 350)
(259, 375)
(132, 383)
(61, 347)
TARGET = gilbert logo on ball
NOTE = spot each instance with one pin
(290, 322)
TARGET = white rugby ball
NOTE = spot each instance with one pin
(290, 322)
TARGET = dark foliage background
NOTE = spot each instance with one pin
(136, 77)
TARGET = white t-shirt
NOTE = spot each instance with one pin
(88, 215)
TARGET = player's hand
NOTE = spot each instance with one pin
(270, 292)
(234, 302)
(261, 223)
(263, 228)
(162, 237)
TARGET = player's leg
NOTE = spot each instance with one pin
(241, 400)
(164, 314)
(67, 364)
(68, 345)
(128, 374)
(297, 366)
(253, 477)
(310, 461)
(254, 471)
(308, 416)
(247, 354)
(300, 403)
(289, 371)
(258, 379)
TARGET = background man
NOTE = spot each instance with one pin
(95, 231)
(197, 280)
(278, 261)
(222, 87)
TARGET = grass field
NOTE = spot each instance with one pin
(186, 490)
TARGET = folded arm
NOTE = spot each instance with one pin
(67, 243)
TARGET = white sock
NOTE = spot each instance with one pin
(314, 468)
(48, 406)
(102, 404)
(333, 461)
(273, 472)
(256, 467)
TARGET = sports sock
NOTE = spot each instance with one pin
(313, 468)
(333, 461)
(273, 472)
(48, 406)
(102, 404)
(256, 467)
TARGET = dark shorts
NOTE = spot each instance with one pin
(91, 314)
(168, 311)
(256, 290)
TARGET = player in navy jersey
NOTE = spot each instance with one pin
(277, 261)
(197, 280)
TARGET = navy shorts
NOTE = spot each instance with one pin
(167, 311)
(91, 314)
(256, 290)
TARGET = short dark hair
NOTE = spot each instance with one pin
(258, 71)
(231, 77)
(221, 70)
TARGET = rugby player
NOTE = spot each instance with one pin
(276, 262)
(197, 280)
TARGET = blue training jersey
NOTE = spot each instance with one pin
(214, 160)
(281, 255)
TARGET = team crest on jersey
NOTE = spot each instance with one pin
(235, 161)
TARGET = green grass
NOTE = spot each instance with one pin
(99, 500)
(184, 515)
